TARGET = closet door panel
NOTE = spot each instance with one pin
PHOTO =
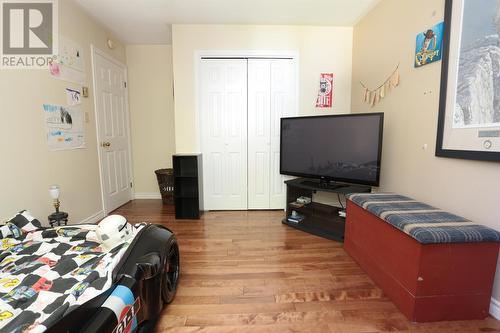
(236, 187)
(223, 122)
(212, 120)
(242, 103)
(283, 94)
(259, 144)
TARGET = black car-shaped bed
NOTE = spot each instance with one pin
(63, 280)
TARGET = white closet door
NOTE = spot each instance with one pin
(272, 94)
(284, 103)
(223, 121)
(259, 141)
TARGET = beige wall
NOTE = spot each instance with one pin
(152, 113)
(320, 49)
(27, 168)
(382, 39)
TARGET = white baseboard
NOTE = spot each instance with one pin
(93, 218)
(145, 195)
(495, 308)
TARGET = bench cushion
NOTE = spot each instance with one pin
(426, 224)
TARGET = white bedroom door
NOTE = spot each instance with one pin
(271, 96)
(113, 131)
(223, 117)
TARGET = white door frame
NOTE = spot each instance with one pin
(96, 51)
(265, 54)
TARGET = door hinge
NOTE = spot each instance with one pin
(125, 84)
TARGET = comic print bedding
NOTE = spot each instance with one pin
(46, 273)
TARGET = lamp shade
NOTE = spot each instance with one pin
(54, 191)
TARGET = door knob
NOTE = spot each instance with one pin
(106, 144)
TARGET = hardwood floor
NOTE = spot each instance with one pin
(246, 272)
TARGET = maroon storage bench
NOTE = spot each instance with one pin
(433, 265)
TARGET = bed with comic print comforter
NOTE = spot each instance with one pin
(47, 274)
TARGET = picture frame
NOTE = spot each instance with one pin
(469, 120)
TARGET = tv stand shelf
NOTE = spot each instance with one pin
(320, 219)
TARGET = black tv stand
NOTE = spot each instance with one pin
(323, 184)
(320, 219)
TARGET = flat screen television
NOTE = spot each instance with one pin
(341, 148)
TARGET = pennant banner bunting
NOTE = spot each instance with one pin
(374, 96)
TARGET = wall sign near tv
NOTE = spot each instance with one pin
(469, 110)
(343, 148)
(429, 46)
(325, 92)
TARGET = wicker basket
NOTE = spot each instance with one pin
(166, 184)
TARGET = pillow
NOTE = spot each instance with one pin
(26, 222)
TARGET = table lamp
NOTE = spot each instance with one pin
(58, 217)
(54, 193)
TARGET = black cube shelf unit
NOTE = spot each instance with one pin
(187, 186)
(319, 219)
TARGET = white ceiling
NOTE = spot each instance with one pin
(149, 21)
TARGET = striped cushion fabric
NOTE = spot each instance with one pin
(426, 224)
